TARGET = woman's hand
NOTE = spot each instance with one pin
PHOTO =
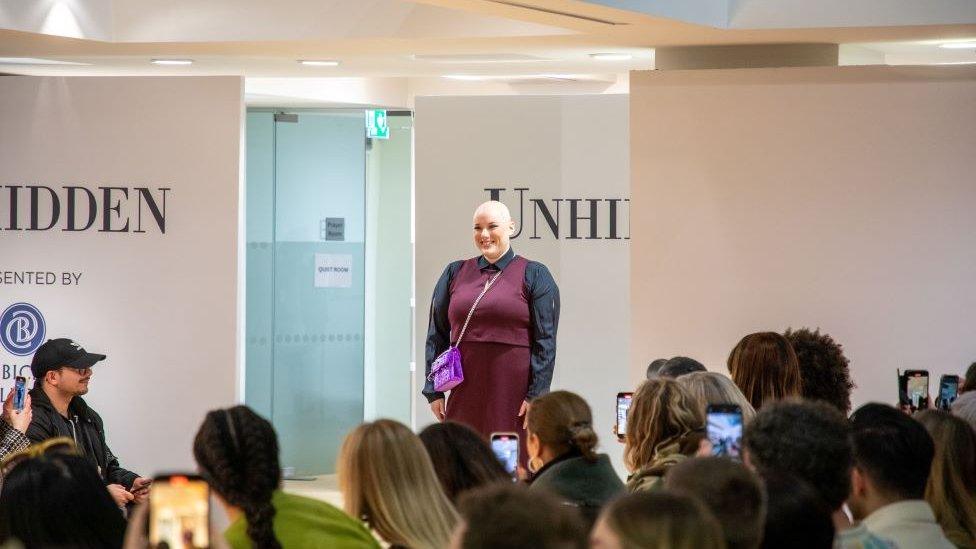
(438, 408)
(524, 413)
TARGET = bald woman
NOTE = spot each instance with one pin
(509, 350)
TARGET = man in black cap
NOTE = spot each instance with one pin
(62, 370)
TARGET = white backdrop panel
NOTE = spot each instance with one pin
(558, 148)
(161, 305)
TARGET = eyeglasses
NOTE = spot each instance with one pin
(79, 371)
(50, 447)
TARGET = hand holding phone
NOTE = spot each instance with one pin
(20, 393)
(913, 389)
(623, 408)
(506, 449)
(724, 429)
(948, 391)
(179, 512)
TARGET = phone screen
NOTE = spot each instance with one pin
(179, 513)
(506, 448)
(948, 391)
(725, 431)
(918, 390)
(20, 393)
(623, 406)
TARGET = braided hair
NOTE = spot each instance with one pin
(237, 451)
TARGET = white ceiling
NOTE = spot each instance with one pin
(507, 41)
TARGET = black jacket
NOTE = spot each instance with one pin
(85, 427)
(585, 485)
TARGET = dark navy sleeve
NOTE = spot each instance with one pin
(439, 327)
(544, 313)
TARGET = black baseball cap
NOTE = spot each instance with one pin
(61, 352)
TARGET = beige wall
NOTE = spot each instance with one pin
(838, 197)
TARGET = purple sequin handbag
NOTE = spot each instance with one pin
(446, 371)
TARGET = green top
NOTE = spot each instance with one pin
(306, 522)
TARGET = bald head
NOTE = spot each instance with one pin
(495, 210)
(493, 227)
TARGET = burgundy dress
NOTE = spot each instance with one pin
(495, 351)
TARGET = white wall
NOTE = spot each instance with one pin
(839, 198)
(162, 306)
(559, 148)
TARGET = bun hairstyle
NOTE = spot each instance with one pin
(237, 451)
(563, 422)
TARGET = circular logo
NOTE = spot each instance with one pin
(21, 329)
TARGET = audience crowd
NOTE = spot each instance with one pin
(811, 474)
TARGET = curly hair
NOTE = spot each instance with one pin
(824, 370)
(237, 451)
(809, 439)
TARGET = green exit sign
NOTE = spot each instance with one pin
(376, 126)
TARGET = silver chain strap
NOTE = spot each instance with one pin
(475, 306)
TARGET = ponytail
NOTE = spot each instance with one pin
(583, 438)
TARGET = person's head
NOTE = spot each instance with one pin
(764, 367)
(53, 497)
(892, 458)
(461, 458)
(560, 422)
(679, 366)
(964, 408)
(654, 368)
(62, 365)
(657, 520)
(388, 480)
(732, 492)
(969, 380)
(825, 372)
(796, 516)
(805, 438)
(661, 412)
(951, 490)
(236, 452)
(493, 229)
(503, 516)
(716, 388)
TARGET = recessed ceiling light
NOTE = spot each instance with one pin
(959, 45)
(172, 61)
(318, 63)
(611, 56)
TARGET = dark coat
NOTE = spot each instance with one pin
(85, 427)
(586, 485)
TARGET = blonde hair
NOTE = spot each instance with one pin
(387, 479)
(715, 388)
(661, 412)
(951, 488)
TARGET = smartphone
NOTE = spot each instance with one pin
(916, 384)
(948, 391)
(179, 512)
(623, 406)
(725, 429)
(20, 393)
(506, 448)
